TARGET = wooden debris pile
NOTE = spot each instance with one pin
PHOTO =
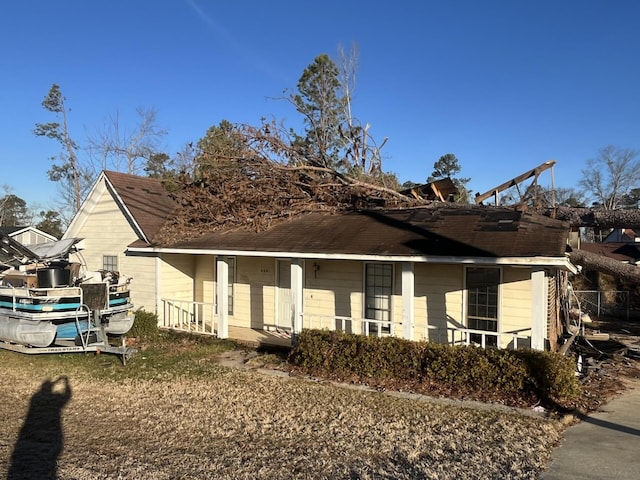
(254, 193)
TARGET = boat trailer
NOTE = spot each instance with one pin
(91, 334)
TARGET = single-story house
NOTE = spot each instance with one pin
(457, 275)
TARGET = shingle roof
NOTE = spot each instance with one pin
(624, 252)
(10, 230)
(460, 232)
(145, 198)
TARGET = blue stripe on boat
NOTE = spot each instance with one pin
(70, 329)
(51, 307)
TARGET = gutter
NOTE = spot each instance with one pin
(562, 263)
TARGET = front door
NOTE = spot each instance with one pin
(284, 305)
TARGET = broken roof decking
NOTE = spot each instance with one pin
(415, 232)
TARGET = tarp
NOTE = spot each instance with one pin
(14, 254)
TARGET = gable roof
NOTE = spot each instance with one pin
(415, 232)
(10, 230)
(15, 231)
(144, 199)
(620, 235)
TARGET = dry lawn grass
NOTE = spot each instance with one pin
(227, 423)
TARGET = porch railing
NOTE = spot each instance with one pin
(468, 336)
(363, 326)
(450, 335)
(201, 317)
(188, 316)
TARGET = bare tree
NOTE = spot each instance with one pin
(116, 147)
(361, 150)
(611, 175)
(69, 172)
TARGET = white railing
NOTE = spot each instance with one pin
(483, 338)
(361, 326)
(450, 335)
(187, 316)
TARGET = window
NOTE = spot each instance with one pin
(378, 291)
(110, 263)
(482, 302)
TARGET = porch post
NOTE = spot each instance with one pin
(538, 309)
(297, 292)
(222, 294)
(157, 264)
(408, 294)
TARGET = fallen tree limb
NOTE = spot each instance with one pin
(625, 272)
(600, 218)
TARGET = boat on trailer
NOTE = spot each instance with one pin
(47, 305)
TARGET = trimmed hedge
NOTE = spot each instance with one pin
(547, 376)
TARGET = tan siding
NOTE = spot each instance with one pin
(107, 232)
(143, 273)
(516, 299)
(334, 290)
(438, 292)
(254, 302)
(204, 284)
(177, 273)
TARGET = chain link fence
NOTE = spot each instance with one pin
(607, 303)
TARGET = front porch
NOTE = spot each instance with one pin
(202, 318)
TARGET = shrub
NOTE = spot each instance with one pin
(546, 375)
(145, 325)
(551, 375)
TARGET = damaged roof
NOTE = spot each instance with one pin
(459, 232)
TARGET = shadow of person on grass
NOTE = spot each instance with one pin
(40, 441)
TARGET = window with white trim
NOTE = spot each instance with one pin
(378, 291)
(482, 302)
(110, 263)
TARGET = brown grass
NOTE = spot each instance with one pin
(231, 423)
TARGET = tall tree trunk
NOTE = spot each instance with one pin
(587, 217)
(626, 272)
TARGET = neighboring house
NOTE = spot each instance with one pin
(27, 235)
(622, 252)
(621, 244)
(460, 275)
(622, 235)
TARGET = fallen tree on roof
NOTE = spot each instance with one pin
(264, 178)
(624, 272)
(596, 217)
(258, 176)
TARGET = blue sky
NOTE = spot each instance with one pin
(504, 85)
